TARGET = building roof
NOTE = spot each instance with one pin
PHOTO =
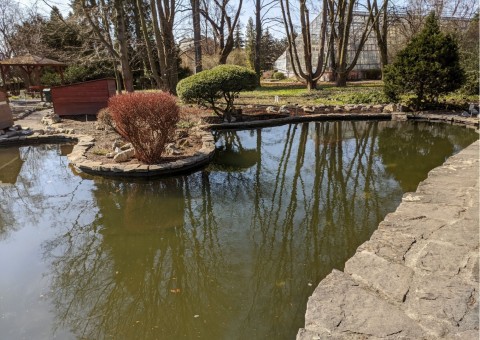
(31, 60)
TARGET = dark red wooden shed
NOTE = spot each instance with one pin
(85, 98)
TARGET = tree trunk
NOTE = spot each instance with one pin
(149, 48)
(118, 77)
(123, 48)
(311, 84)
(197, 35)
(171, 60)
(141, 52)
(258, 37)
(166, 17)
(341, 80)
(158, 42)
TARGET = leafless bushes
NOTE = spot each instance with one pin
(147, 120)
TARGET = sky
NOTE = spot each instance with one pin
(63, 5)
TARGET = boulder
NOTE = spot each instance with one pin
(271, 109)
(118, 143)
(126, 146)
(171, 149)
(308, 109)
(473, 110)
(389, 108)
(50, 119)
(124, 156)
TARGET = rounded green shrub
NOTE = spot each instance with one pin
(279, 76)
(217, 88)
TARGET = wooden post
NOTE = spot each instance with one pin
(60, 69)
(4, 81)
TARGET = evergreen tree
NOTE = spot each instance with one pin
(271, 48)
(427, 67)
(238, 41)
(250, 43)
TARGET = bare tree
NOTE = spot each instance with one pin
(380, 27)
(223, 26)
(149, 48)
(262, 9)
(305, 69)
(123, 45)
(197, 34)
(99, 17)
(163, 19)
(10, 16)
(341, 20)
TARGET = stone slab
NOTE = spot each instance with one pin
(341, 305)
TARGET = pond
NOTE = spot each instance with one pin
(229, 252)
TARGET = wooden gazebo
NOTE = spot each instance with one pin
(30, 63)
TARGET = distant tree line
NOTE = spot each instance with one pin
(137, 41)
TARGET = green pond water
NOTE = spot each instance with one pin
(229, 252)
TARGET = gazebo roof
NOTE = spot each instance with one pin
(31, 60)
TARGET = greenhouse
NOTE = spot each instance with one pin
(368, 65)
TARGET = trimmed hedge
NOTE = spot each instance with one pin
(279, 76)
(217, 88)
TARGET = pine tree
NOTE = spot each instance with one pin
(238, 41)
(427, 67)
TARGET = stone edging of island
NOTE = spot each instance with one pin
(83, 142)
(200, 158)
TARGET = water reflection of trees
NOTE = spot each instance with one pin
(26, 192)
(313, 219)
(147, 265)
(242, 250)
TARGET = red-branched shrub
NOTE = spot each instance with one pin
(147, 120)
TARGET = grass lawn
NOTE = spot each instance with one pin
(358, 92)
(295, 93)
